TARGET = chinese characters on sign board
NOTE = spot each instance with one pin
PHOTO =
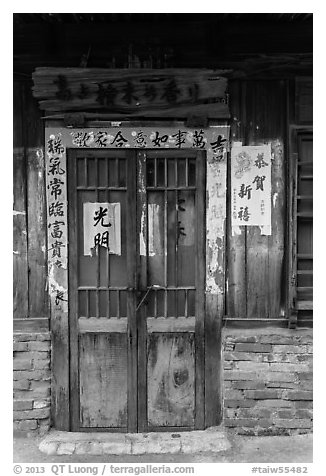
(102, 227)
(217, 143)
(57, 219)
(156, 93)
(251, 186)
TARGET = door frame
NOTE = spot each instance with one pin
(57, 140)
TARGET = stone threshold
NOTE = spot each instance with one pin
(213, 439)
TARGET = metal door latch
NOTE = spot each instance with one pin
(153, 286)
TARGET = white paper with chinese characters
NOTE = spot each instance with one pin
(102, 227)
(251, 187)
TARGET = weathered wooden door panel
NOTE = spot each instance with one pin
(136, 296)
(171, 377)
(103, 380)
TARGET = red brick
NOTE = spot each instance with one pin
(246, 356)
(254, 347)
(231, 422)
(285, 414)
(288, 367)
(238, 375)
(298, 395)
(46, 336)
(245, 403)
(293, 423)
(18, 337)
(277, 376)
(246, 431)
(40, 389)
(250, 384)
(228, 365)
(276, 339)
(31, 374)
(22, 364)
(304, 358)
(305, 375)
(245, 340)
(303, 404)
(305, 413)
(25, 425)
(41, 404)
(20, 347)
(252, 366)
(255, 412)
(231, 394)
(282, 385)
(22, 394)
(23, 404)
(36, 355)
(21, 384)
(279, 403)
(39, 346)
(262, 394)
(41, 364)
(32, 414)
(291, 349)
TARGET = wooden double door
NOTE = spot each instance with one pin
(136, 289)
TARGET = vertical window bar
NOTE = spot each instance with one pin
(98, 278)
(87, 303)
(117, 174)
(118, 303)
(108, 249)
(86, 172)
(186, 302)
(176, 172)
(155, 172)
(187, 169)
(155, 303)
(108, 310)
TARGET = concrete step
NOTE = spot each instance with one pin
(213, 439)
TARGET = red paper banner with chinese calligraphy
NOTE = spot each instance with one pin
(251, 186)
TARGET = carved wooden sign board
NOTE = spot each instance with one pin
(131, 93)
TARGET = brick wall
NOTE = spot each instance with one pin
(268, 381)
(32, 383)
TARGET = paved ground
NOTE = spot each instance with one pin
(268, 449)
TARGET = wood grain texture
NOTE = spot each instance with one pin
(213, 362)
(36, 206)
(141, 231)
(255, 261)
(276, 242)
(171, 380)
(236, 297)
(191, 91)
(20, 266)
(304, 100)
(132, 253)
(200, 271)
(171, 324)
(103, 380)
(30, 324)
(266, 109)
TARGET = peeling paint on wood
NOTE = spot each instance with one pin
(215, 225)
